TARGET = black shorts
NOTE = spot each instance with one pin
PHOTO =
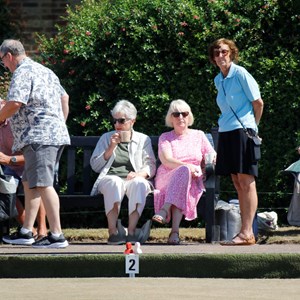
(235, 154)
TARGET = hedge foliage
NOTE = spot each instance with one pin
(153, 51)
(8, 28)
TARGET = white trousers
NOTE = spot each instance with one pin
(114, 188)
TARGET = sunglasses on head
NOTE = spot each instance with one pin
(120, 120)
(176, 114)
(217, 52)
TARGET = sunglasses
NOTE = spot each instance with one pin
(120, 121)
(217, 52)
(177, 114)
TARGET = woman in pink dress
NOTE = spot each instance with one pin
(179, 178)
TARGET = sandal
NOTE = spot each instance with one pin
(160, 219)
(244, 241)
(174, 238)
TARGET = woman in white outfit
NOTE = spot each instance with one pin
(125, 168)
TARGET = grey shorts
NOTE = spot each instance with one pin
(41, 163)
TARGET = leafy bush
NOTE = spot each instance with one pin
(8, 29)
(153, 51)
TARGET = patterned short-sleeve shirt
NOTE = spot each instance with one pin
(40, 119)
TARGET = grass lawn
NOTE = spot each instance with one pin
(199, 265)
(283, 235)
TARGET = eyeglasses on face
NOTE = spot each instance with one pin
(120, 120)
(176, 114)
(217, 52)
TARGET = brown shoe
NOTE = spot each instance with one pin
(244, 241)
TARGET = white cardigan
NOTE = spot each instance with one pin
(141, 156)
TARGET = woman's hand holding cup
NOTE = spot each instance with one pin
(115, 139)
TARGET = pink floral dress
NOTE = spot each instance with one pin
(177, 186)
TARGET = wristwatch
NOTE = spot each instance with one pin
(13, 160)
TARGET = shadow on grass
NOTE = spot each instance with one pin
(285, 232)
(284, 235)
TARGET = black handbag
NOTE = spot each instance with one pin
(8, 190)
(253, 136)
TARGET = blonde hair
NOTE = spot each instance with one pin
(178, 106)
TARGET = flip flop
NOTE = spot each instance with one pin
(245, 241)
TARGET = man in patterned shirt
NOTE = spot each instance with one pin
(13, 164)
(37, 106)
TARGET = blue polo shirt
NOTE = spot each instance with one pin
(237, 90)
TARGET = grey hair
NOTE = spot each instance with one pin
(125, 107)
(178, 106)
(14, 47)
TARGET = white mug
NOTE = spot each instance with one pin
(125, 136)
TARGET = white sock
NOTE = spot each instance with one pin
(56, 234)
(24, 230)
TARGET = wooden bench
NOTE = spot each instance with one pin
(79, 181)
(79, 185)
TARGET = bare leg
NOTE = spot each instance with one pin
(21, 214)
(41, 220)
(112, 218)
(246, 189)
(21, 211)
(176, 218)
(133, 220)
(51, 203)
(32, 204)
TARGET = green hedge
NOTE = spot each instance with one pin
(153, 51)
(9, 28)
